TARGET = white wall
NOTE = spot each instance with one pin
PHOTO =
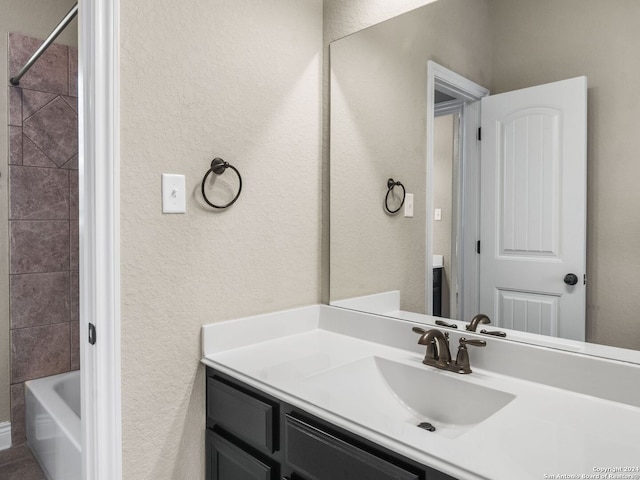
(36, 19)
(240, 80)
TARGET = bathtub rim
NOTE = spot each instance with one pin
(43, 390)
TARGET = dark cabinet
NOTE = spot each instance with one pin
(319, 455)
(248, 417)
(227, 461)
(437, 291)
(251, 435)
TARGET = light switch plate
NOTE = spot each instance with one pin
(408, 205)
(173, 193)
(437, 214)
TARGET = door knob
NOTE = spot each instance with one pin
(570, 279)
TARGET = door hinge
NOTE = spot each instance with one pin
(478, 247)
(92, 334)
(585, 279)
(480, 133)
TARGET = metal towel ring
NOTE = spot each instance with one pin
(391, 184)
(218, 166)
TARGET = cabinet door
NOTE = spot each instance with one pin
(227, 461)
(247, 417)
(319, 455)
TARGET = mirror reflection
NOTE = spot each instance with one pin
(382, 127)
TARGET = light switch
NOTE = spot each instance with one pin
(437, 214)
(173, 193)
(408, 205)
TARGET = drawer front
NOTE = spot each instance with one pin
(245, 416)
(320, 456)
(226, 461)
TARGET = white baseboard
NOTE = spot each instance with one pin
(5, 435)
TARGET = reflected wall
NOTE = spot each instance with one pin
(525, 43)
(542, 41)
(378, 131)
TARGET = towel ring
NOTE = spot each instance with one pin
(391, 184)
(218, 166)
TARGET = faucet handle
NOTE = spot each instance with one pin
(476, 343)
(462, 359)
(423, 332)
(418, 330)
(495, 333)
(445, 324)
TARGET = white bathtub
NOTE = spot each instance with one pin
(53, 424)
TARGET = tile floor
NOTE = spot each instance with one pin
(17, 463)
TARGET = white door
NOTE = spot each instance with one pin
(533, 198)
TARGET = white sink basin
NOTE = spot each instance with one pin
(375, 390)
(439, 396)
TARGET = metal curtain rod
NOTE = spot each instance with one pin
(57, 31)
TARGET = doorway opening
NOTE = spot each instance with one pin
(453, 110)
(446, 191)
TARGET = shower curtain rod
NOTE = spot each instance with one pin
(57, 31)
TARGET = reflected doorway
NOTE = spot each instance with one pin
(529, 240)
(446, 189)
(452, 197)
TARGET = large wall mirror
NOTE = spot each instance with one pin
(406, 98)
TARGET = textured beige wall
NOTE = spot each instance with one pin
(547, 40)
(442, 199)
(378, 130)
(238, 79)
(34, 18)
(342, 18)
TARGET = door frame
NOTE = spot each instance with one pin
(468, 225)
(99, 201)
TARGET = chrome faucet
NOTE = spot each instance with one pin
(438, 354)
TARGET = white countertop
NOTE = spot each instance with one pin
(544, 430)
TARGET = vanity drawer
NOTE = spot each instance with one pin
(318, 455)
(248, 417)
(227, 461)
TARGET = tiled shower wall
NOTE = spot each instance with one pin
(43, 218)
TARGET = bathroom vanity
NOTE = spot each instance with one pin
(326, 393)
(254, 436)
